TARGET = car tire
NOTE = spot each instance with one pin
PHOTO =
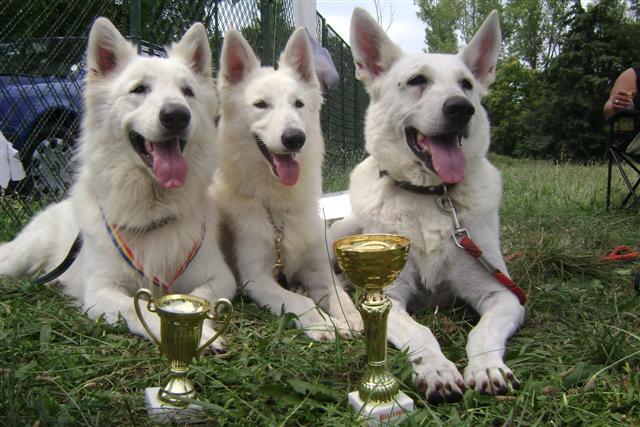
(48, 158)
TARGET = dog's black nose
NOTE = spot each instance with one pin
(175, 117)
(293, 138)
(458, 110)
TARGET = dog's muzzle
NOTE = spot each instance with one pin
(283, 165)
(441, 154)
(164, 158)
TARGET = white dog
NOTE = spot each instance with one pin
(147, 156)
(427, 135)
(269, 183)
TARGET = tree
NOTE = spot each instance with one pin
(511, 105)
(450, 22)
(441, 19)
(525, 18)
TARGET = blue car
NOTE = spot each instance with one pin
(41, 84)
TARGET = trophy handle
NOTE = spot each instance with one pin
(216, 316)
(150, 306)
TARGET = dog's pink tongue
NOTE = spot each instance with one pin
(447, 158)
(169, 166)
(287, 168)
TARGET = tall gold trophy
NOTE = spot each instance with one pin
(372, 262)
(181, 320)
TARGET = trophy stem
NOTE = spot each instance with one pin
(178, 386)
(378, 384)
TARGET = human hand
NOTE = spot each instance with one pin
(622, 100)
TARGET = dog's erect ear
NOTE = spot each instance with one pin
(298, 56)
(194, 49)
(373, 51)
(107, 49)
(237, 59)
(481, 55)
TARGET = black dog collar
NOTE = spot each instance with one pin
(431, 190)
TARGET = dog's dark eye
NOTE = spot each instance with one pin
(139, 89)
(299, 103)
(466, 84)
(187, 91)
(417, 80)
(260, 104)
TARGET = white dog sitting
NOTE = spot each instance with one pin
(269, 184)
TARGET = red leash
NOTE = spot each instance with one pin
(620, 253)
(463, 240)
(472, 249)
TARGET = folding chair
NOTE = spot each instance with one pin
(623, 127)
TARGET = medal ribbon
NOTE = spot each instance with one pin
(127, 254)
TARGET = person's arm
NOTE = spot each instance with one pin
(620, 97)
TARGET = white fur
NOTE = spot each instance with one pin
(435, 265)
(112, 177)
(245, 186)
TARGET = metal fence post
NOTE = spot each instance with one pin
(134, 21)
(217, 37)
(342, 97)
(265, 22)
(324, 31)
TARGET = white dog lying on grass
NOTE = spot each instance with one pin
(139, 204)
(427, 136)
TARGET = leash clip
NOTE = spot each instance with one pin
(446, 206)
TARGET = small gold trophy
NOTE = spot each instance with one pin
(181, 320)
(371, 262)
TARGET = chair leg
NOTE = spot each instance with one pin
(630, 187)
(633, 193)
(635, 187)
(610, 164)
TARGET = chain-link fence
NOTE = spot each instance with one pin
(42, 47)
(343, 111)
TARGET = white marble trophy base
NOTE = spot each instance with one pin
(382, 414)
(165, 413)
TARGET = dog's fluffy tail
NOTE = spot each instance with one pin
(37, 247)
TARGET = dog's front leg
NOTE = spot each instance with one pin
(501, 316)
(254, 265)
(104, 297)
(223, 280)
(327, 291)
(500, 310)
(316, 324)
(433, 374)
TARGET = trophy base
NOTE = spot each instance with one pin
(165, 413)
(382, 414)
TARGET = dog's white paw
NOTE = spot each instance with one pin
(341, 306)
(319, 326)
(218, 346)
(354, 320)
(348, 316)
(439, 382)
(493, 378)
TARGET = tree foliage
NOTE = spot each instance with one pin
(441, 18)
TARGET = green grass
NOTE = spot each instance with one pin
(577, 354)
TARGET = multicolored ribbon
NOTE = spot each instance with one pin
(127, 254)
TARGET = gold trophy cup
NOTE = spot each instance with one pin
(372, 262)
(181, 320)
